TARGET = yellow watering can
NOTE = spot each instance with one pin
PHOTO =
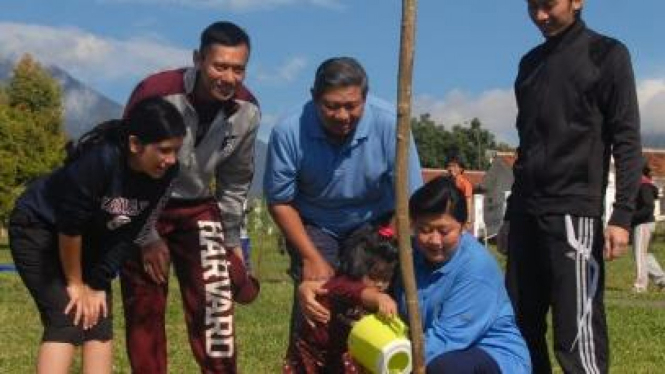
(381, 346)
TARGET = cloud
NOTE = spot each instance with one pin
(651, 94)
(495, 109)
(87, 56)
(235, 5)
(286, 73)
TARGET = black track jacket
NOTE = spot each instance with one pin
(577, 105)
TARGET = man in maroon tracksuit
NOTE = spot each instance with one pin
(199, 230)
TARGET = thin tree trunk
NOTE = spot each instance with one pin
(402, 180)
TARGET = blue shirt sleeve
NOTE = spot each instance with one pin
(279, 180)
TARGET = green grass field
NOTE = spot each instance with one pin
(637, 322)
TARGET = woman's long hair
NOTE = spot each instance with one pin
(151, 120)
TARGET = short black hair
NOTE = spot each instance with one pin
(456, 160)
(646, 170)
(438, 196)
(364, 248)
(339, 72)
(225, 33)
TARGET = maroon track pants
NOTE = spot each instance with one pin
(209, 281)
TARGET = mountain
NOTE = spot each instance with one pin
(653, 140)
(6, 67)
(84, 107)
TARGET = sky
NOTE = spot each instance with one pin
(465, 61)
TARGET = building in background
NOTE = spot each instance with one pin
(491, 189)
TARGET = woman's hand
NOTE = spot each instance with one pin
(96, 306)
(77, 293)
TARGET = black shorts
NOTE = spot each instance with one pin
(34, 247)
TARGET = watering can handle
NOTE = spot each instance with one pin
(396, 324)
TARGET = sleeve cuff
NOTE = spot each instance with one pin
(98, 283)
(621, 217)
(245, 286)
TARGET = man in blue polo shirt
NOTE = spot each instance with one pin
(330, 169)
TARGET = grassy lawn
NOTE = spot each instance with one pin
(637, 322)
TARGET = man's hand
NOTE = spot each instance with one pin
(156, 261)
(316, 270)
(311, 308)
(502, 238)
(616, 242)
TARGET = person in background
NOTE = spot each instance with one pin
(330, 169)
(455, 169)
(245, 240)
(467, 318)
(366, 270)
(199, 229)
(577, 108)
(70, 231)
(643, 227)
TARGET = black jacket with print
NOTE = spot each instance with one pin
(577, 105)
(100, 198)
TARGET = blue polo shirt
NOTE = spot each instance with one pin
(337, 187)
(463, 304)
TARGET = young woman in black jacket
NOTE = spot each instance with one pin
(70, 230)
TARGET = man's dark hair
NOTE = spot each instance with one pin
(224, 33)
(455, 160)
(646, 170)
(438, 196)
(339, 72)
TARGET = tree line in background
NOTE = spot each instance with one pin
(32, 138)
(469, 144)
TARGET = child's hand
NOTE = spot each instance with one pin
(386, 305)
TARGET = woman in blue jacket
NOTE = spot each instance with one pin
(468, 321)
(70, 230)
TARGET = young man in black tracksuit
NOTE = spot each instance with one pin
(577, 107)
